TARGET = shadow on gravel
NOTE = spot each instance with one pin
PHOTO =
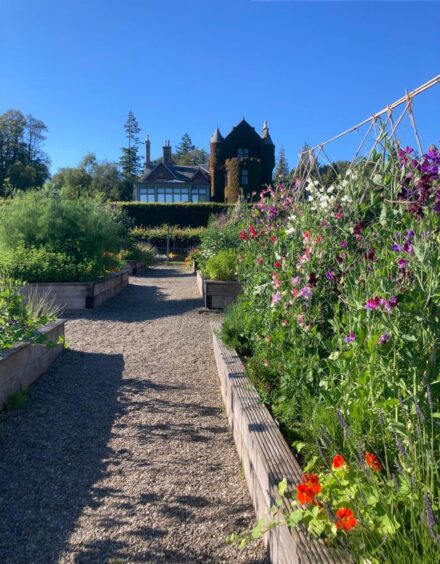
(53, 451)
(138, 303)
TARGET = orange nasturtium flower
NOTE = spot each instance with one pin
(346, 519)
(338, 462)
(373, 462)
(309, 487)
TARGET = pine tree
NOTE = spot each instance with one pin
(282, 168)
(184, 150)
(130, 160)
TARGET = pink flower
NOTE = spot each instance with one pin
(383, 339)
(373, 303)
(305, 292)
(350, 337)
(276, 298)
(344, 244)
(295, 281)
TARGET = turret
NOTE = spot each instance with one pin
(216, 166)
(268, 154)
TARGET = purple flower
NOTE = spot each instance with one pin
(407, 247)
(410, 234)
(350, 337)
(305, 292)
(392, 302)
(276, 298)
(344, 244)
(330, 275)
(373, 303)
(396, 248)
(383, 339)
(295, 281)
(402, 263)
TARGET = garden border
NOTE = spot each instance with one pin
(81, 295)
(265, 457)
(24, 362)
(135, 266)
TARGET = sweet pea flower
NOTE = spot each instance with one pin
(344, 244)
(350, 337)
(330, 275)
(276, 298)
(385, 338)
(295, 281)
(373, 303)
(305, 292)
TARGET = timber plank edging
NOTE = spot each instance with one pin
(24, 362)
(80, 295)
(265, 457)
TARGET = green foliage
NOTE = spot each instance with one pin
(341, 318)
(179, 237)
(20, 320)
(184, 215)
(17, 400)
(222, 266)
(23, 164)
(282, 167)
(188, 154)
(46, 236)
(92, 178)
(141, 252)
(130, 160)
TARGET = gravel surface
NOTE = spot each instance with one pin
(122, 452)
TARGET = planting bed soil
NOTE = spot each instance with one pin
(265, 457)
(122, 452)
(81, 295)
(23, 363)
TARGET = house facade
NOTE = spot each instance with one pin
(240, 163)
(170, 183)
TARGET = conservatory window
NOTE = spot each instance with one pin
(199, 194)
(146, 195)
(244, 177)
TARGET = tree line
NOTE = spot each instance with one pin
(24, 164)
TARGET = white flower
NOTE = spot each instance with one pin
(348, 172)
(290, 231)
(344, 183)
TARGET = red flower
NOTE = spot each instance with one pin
(243, 235)
(338, 461)
(373, 462)
(277, 264)
(273, 238)
(253, 232)
(346, 520)
(309, 487)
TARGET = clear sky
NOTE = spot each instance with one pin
(312, 69)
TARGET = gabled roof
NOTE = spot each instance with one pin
(174, 173)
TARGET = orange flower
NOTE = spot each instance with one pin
(373, 462)
(309, 487)
(338, 462)
(346, 520)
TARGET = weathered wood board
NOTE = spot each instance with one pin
(266, 459)
(23, 363)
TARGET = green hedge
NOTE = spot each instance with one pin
(185, 215)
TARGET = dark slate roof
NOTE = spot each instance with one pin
(180, 173)
(217, 136)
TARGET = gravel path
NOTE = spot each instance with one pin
(122, 453)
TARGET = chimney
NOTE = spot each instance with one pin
(167, 158)
(147, 152)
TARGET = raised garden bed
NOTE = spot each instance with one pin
(135, 267)
(217, 294)
(220, 293)
(81, 295)
(265, 457)
(23, 363)
(200, 282)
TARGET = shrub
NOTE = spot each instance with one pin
(141, 252)
(222, 266)
(68, 240)
(185, 215)
(179, 238)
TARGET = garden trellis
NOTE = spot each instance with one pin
(376, 124)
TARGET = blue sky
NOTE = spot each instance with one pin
(312, 69)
